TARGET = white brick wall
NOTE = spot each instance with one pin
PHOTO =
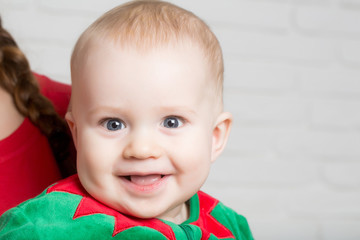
(293, 84)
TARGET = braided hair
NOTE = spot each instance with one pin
(18, 80)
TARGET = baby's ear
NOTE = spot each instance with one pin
(220, 134)
(71, 122)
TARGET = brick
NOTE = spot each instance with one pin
(353, 5)
(310, 2)
(295, 209)
(344, 230)
(263, 208)
(337, 144)
(46, 26)
(266, 109)
(342, 176)
(235, 12)
(266, 15)
(92, 7)
(321, 204)
(336, 113)
(328, 19)
(8, 5)
(334, 80)
(268, 172)
(262, 142)
(350, 52)
(248, 201)
(281, 47)
(251, 141)
(250, 75)
(50, 59)
(294, 230)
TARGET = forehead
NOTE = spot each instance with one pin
(110, 71)
(101, 50)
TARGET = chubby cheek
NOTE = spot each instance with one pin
(95, 155)
(194, 157)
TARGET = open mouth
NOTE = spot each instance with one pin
(144, 180)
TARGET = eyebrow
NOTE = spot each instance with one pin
(120, 110)
(177, 109)
(106, 109)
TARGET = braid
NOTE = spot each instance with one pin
(18, 80)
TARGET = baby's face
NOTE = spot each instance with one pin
(143, 125)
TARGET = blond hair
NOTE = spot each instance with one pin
(149, 24)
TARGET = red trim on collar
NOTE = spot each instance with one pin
(206, 221)
(89, 206)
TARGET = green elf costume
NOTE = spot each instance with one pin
(66, 211)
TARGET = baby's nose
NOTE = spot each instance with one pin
(142, 145)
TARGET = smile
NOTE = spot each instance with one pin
(144, 183)
(144, 180)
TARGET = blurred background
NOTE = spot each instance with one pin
(292, 81)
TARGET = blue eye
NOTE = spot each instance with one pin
(172, 122)
(114, 124)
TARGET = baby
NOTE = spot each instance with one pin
(147, 121)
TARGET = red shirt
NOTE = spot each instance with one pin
(27, 165)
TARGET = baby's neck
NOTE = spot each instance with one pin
(177, 215)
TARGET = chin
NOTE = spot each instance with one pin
(144, 215)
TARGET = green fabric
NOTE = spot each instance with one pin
(45, 217)
(139, 233)
(194, 205)
(50, 216)
(237, 224)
